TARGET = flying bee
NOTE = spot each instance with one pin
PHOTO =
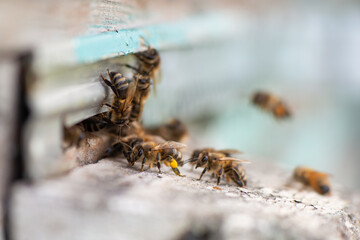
(174, 130)
(221, 164)
(124, 91)
(272, 104)
(317, 180)
(150, 152)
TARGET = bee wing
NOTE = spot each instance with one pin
(156, 78)
(153, 138)
(130, 93)
(190, 160)
(230, 151)
(169, 144)
(234, 159)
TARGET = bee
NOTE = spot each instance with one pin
(141, 95)
(317, 180)
(221, 164)
(95, 123)
(152, 152)
(149, 61)
(75, 134)
(124, 146)
(272, 104)
(72, 136)
(124, 91)
(173, 130)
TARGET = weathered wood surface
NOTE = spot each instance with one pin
(108, 200)
(30, 24)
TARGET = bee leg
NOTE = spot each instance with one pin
(79, 139)
(131, 67)
(127, 156)
(142, 164)
(203, 172)
(158, 164)
(219, 176)
(234, 175)
(174, 167)
(150, 165)
(107, 82)
(110, 106)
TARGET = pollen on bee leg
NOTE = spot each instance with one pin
(174, 167)
(177, 172)
(173, 164)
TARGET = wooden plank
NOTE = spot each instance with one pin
(31, 25)
(109, 200)
(197, 30)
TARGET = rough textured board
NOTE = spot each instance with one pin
(42, 22)
(108, 200)
(198, 29)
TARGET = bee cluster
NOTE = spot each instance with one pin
(152, 146)
(163, 144)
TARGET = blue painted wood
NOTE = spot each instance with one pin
(196, 29)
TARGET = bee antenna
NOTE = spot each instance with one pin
(189, 160)
(126, 145)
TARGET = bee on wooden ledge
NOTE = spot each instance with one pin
(221, 163)
(316, 180)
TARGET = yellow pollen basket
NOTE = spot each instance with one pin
(173, 164)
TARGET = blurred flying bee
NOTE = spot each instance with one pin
(124, 91)
(317, 180)
(152, 152)
(221, 164)
(272, 104)
(174, 130)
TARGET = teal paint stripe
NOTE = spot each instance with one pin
(194, 29)
(94, 48)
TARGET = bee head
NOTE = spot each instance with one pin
(324, 189)
(260, 97)
(203, 159)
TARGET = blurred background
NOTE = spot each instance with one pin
(308, 54)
